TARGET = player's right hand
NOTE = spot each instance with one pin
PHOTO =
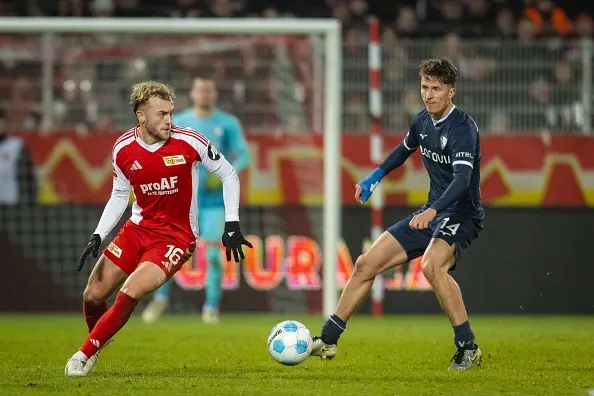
(358, 191)
(92, 247)
(367, 185)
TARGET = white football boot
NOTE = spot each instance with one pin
(323, 350)
(75, 366)
(154, 310)
(79, 366)
(210, 315)
(93, 359)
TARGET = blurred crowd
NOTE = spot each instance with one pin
(524, 64)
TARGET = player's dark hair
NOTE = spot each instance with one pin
(441, 70)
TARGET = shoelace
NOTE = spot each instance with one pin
(458, 356)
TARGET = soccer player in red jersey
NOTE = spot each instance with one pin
(159, 163)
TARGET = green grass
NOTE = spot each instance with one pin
(391, 356)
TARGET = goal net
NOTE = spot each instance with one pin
(67, 83)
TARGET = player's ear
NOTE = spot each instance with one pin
(140, 116)
(452, 92)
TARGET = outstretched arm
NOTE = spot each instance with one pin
(396, 158)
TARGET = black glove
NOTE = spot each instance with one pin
(233, 239)
(93, 246)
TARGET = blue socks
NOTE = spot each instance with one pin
(463, 336)
(213, 279)
(332, 329)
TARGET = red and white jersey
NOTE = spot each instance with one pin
(164, 178)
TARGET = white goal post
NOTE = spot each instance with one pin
(330, 29)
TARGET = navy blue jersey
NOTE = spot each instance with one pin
(451, 150)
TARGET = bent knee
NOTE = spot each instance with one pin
(364, 267)
(432, 267)
(93, 296)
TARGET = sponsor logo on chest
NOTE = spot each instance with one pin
(435, 157)
(174, 160)
(166, 186)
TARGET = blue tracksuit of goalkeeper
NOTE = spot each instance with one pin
(225, 132)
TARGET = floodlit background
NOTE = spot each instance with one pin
(528, 281)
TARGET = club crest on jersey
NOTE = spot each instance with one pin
(218, 131)
(115, 250)
(444, 141)
(213, 153)
(173, 160)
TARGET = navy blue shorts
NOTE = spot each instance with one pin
(451, 227)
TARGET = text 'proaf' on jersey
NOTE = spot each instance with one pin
(164, 187)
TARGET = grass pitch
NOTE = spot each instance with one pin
(398, 355)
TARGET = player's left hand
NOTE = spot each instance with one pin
(233, 239)
(422, 220)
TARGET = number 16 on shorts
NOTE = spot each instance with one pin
(172, 257)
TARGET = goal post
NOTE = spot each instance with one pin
(332, 91)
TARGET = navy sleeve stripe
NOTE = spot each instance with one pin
(463, 163)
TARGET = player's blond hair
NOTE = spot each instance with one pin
(142, 92)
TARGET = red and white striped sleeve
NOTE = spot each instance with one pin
(216, 163)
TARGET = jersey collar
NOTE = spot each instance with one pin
(149, 147)
(442, 119)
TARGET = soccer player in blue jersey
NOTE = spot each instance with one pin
(448, 140)
(225, 132)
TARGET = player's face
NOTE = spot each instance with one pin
(436, 95)
(156, 117)
(204, 93)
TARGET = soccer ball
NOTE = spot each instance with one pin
(289, 343)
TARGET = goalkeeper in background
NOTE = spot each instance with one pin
(225, 132)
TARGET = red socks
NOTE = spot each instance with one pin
(110, 323)
(93, 313)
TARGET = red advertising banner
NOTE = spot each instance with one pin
(287, 169)
(296, 261)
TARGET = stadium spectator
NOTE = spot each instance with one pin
(480, 19)
(584, 26)
(359, 12)
(549, 19)
(263, 76)
(17, 174)
(505, 25)
(407, 24)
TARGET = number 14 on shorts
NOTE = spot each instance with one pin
(452, 228)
